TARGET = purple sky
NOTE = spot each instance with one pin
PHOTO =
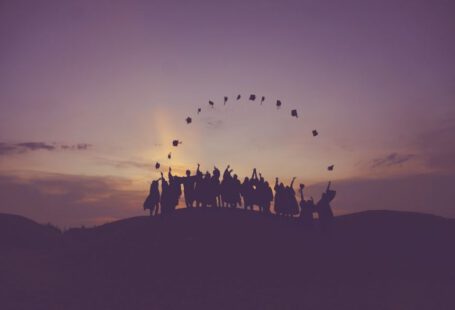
(93, 92)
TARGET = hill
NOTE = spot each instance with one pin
(234, 259)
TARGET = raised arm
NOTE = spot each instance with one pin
(292, 182)
(169, 174)
(328, 186)
(254, 175)
(301, 191)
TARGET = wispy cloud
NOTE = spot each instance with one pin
(393, 159)
(70, 200)
(24, 147)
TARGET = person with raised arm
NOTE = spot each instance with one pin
(292, 205)
(324, 209)
(174, 191)
(306, 208)
(189, 182)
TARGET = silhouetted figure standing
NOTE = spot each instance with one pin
(247, 191)
(266, 197)
(237, 189)
(206, 190)
(306, 208)
(215, 188)
(198, 187)
(228, 188)
(165, 196)
(324, 209)
(174, 191)
(189, 183)
(279, 197)
(152, 202)
(254, 190)
(293, 206)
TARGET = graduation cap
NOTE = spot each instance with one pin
(157, 165)
(169, 155)
(278, 103)
(225, 99)
(294, 113)
(211, 103)
(176, 142)
(252, 97)
(315, 133)
(188, 120)
(199, 110)
(262, 99)
(330, 168)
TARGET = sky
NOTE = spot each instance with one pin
(92, 93)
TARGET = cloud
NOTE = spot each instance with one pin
(392, 159)
(70, 200)
(24, 147)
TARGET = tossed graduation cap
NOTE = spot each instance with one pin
(330, 168)
(238, 97)
(225, 99)
(169, 155)
(315, 133)
(294, 113)
(176, 142)
(199, 110)
(262, 99)
(211, 103)
(278, 103)
(252, 97)
(188, 120)
(157, 165)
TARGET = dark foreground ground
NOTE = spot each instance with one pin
(230, 259)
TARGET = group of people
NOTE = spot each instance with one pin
(204, 190)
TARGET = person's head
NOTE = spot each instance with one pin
(266, 184)
(281, 185)
(235, 176)
(188, 172)
(246, 179)
(261, 179)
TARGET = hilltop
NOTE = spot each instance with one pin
(233, 259)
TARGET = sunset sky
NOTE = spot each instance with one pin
(92, 93)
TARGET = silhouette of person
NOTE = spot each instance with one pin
(236, 190)
(189, 182)
(266, 197)
(206, 191)
(279, 197)
(324, 209)
(174, 191)
(227, 189)
(165, 196)
(246, 191)
(306, 208)
(198, 187)
(293, 206)
(215, 191)
(152, 202)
